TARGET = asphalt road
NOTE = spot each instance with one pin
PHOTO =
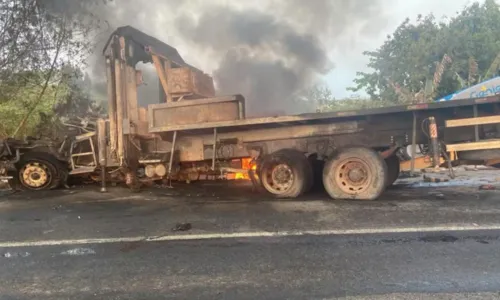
(321, 267)
(416, 242)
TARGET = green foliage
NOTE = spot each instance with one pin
(18, 95)
(65, 98)
(38, 40)
(409, 58)
(322, 98)
(351, 104)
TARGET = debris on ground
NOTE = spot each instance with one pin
(487, 187)
(439, 196)
(4, 185)
(182, 227)
(435, 179)
(408, 174)
(434, 170)
(471, 168)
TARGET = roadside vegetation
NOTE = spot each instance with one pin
(425, 59)
(43, 47)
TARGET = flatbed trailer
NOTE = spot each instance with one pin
(192, 134)
(352, 143)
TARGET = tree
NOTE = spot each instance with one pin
(321, 98)
(40, 37)
(16, 106)
(65, 99)
(430, 59)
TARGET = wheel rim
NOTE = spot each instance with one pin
(353, 176)
(35, 175)
(278, 179)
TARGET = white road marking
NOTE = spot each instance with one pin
(78, 251)
(15, 254)
(256, 234)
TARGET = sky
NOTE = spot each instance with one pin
(350, 60)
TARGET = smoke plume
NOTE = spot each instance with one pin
(268, 51)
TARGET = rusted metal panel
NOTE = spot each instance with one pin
(288, 132)
(190, 148)
(232, 144)
(195, 112)
(143, 114)
(167, 66)
(186, 81)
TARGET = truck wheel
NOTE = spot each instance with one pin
(393, 168)
(355, 173)
(286, 173)
(38, 172)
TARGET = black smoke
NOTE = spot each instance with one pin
(267, 52)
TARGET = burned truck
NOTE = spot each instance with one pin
(192, 134)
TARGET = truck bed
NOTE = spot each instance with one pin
(254, 123)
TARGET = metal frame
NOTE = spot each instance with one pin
(318, 116)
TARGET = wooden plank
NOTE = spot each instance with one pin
(483, 145)
(472, 121)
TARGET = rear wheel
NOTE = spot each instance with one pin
(393, 169)
(286, 173)
(355, 173)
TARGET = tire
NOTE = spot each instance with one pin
(393, 169)
(46, 172)
(293, 168)
(368, 181)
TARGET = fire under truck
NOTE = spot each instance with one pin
(192, 134)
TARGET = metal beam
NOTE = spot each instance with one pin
(160, 70)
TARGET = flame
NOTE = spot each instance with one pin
(247, 164)
(240, 176)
